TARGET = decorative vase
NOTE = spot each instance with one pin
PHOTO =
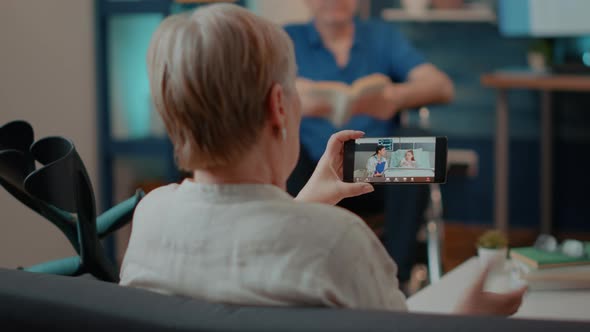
(537, 61)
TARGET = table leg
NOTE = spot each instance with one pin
(502, 149)
(546, 198)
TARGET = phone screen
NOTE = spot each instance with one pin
(396, 160)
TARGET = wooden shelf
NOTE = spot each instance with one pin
(466, 15)
(513, 79)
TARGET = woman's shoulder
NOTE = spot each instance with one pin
(323, 226)
(157, 197)
(325, 214)
(161, 191)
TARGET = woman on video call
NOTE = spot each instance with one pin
(231, 233)
(377, 163)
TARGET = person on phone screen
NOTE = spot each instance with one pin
(408, 161)
(337, 46)
(377, 163)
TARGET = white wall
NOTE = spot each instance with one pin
(547, 18)
(47, 78)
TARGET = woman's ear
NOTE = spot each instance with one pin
(276, 108)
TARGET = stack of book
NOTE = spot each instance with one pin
(543, 270)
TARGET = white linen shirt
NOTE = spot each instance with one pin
(255, 245)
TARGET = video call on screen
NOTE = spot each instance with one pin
(395, 159)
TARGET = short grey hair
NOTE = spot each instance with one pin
(210, 74)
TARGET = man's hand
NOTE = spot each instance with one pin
(311, 107)
(326, 185)
(381, 104)
(426, 85)
(476, 301)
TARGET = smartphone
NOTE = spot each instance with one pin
(396, 160)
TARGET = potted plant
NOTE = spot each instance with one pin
(540, 54)
(492, 245)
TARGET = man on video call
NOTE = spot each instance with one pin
(337, 46)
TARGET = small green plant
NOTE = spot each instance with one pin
(492, 240)
(544, 47)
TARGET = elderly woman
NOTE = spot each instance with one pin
(223, 80)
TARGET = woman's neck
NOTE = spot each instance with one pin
(212, 177)
(253, 168)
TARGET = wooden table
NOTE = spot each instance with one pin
(546, 83)
(443, 296)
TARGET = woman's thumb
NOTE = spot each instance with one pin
(356, 189)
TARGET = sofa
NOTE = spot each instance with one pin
(41, 302)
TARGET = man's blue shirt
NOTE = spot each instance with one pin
(377, 48)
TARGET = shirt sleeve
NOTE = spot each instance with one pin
(360, 274)
(404, 57)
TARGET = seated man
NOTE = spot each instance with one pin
(335, 46)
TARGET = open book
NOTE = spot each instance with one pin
(340, 96)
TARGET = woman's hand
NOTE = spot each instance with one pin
(476, 301)
(326, 185)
